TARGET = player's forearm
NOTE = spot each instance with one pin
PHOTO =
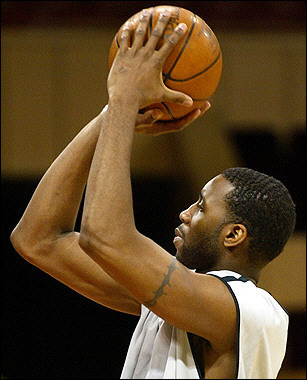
(54, 205)
(134, 82)
(108, 206)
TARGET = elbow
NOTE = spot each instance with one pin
(23, 245)
(18, 242)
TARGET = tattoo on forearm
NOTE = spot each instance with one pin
(166, 281)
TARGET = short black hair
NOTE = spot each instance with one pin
(264, 205)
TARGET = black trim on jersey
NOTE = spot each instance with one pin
(225, 280)
(198, 367)
(233, 278)
(245, 279)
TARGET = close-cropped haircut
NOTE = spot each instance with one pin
(264, 205)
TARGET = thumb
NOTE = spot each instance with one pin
(178, 97)
(149, 117)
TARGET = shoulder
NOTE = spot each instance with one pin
(254, 304)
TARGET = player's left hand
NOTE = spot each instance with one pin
(149, 123)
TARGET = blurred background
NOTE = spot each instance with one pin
(53, 78)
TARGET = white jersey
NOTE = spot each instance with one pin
(159, 350)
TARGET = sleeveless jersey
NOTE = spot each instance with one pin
(159, 350)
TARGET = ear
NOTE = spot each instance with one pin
(234, 235)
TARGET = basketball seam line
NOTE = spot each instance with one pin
(167, 76)
(168, 110)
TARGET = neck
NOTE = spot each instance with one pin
(253, 274)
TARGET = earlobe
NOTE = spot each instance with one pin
(235, 235)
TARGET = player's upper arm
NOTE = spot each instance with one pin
(194, 302)
(201, 304)
(63, 259)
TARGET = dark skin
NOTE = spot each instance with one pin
(109, 261)
(202, 217)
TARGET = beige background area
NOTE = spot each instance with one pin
(54, 82)
(285, 277)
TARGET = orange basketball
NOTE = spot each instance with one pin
(193, 67)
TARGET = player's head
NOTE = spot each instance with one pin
(240, 213)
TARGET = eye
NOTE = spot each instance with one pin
(200, 206)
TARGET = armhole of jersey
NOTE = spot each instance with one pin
(199, 370)
(238, 319)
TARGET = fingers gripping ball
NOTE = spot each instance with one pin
(193, 67)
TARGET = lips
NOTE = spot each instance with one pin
(178, 233)
(178, 239)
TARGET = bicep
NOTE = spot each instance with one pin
(64, 260)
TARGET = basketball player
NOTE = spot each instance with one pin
(201, 312)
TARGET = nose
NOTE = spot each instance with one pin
(186, 215)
